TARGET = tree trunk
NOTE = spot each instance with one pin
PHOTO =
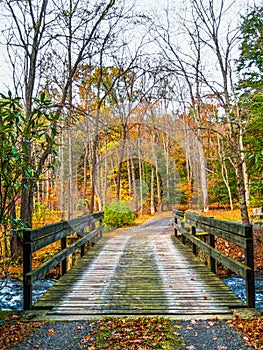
(134, 185)
(242, 193)
(70, 177)
(62, 175)
(152, 191)
(122, 150)
(85, 174)
(224, 173)
(16, 242)
(141, 181)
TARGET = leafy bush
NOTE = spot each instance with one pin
(118, 214)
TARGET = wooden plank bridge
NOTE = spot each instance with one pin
(144, 270)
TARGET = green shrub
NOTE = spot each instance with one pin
(118, 214)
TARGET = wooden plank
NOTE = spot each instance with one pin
(53, 228)
(228, 236)
(222, 225)
(178, 213)
(54, 237)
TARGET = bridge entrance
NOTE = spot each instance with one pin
(139, 271)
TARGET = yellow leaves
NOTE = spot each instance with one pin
(252, 330)
(51, 332)
(92, 347)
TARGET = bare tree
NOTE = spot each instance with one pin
(209, 17)
(204, 32)
(32, 32)
(183, 68)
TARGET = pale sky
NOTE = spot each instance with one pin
(157, 5)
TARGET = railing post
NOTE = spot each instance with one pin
(101, 233)
(212, 262)
(64, 262)
(183, 236)
(193, 231)
(175, 229)
(92, 228)
(249, 259)
(27, 267)
(82, 248)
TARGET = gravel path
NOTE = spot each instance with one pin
(198, 335)
(210, 335)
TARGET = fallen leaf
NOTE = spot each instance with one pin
(51, 332)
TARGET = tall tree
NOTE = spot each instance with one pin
(184, 69)
(250, 67)
(210, 16)
(35, 26)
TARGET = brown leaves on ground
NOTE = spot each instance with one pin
(233, 250)
(136, 333)
(13, 331)
(251, 330)
(237, 253)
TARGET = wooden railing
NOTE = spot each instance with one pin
(194, 226)
(88, 229)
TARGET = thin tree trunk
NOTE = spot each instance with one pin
(141, 180)
(129, 177)
(62, 175)
(85, 174)
(224, 173)
(70, 175)
(122, 150)
(135, 197)
(152, 191)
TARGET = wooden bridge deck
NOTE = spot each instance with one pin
(140, 271)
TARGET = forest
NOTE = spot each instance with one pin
(105, 104)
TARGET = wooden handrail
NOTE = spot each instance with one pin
(36, 239)
(192, 225)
